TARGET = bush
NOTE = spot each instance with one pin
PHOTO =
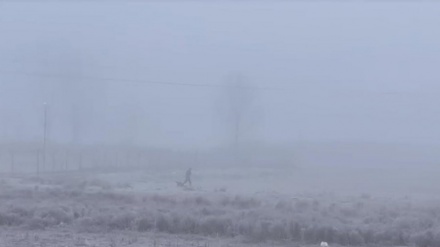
(355, 239)
(279, 231)
(175, 224)
(22, 212)
(122, 222)
(245, 203)
(295, 231)
(144, 224)
(97, 223)
(159, 199)
(201, 201)
(261, 232)
(37, 224)
(188, 225)
(162, 223)
(368, 236)
(56, 216)
(425, 239)
(302, 205)
(326, 234)
(284, 206)
(240, 202)
(10, 219)
(215, 226)
(116, 197)
(310, 235)
(243, 228)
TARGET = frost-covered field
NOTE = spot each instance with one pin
(228, 207)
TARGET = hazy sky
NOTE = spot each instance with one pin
(327, 71)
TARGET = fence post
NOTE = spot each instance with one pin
(80, 161)
(12, 162)
(53, 161)
(38, 163)
(66, 162)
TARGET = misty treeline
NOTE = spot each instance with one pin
(66, 119)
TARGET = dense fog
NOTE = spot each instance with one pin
(292, 83)
(157, 74)
(219, 123)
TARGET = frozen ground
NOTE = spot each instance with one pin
(62, 237)
(226, 207)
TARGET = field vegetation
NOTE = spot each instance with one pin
(98, 206)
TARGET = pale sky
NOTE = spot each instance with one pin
(326, 71)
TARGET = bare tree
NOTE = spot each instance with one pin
(239, 97)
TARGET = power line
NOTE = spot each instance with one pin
(208, 86)
(134, 81)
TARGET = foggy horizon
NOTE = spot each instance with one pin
(361, 72)
(219, 123)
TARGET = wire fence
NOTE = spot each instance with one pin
(15, 161)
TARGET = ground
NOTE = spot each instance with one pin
(226, 207)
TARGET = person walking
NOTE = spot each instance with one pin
(188, 177)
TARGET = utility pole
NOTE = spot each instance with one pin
(44, 137)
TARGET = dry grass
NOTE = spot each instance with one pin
(361, 221)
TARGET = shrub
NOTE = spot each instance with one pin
(400, 238)
(161, 199)
(98, 183)
(10, 219)
(261, 231)
(403, 223)
(162, 223)
(174, 220)
(295, 231)
(355, 239)
(302, 205)
(22, 212)
(326, 234)
(284, 206)
(240, 202)
(310, 235)
(245, 203)
(215, 226)
(188, 225)
(368, 236)
(96, 223)
(201, 201)
(349, 212)
(243, 228)
(279, 231)
(37, 224)
(144, 224)
(56, 216)
(116, 197)
(365, 196)
(123, 221)
(425, 239)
